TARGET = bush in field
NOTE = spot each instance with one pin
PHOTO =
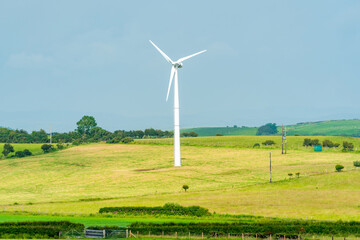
(60, 146)
(19, 154)
(268, 143)
(348, 146)
(76, 143)
(256, 145)
(356, 163)
(219, 135)
(339, 167)
(7, 149)
(290, 175)
(47, 148)
(185, 187)
(297, 174)
(307, 142)
(315, 142)
(27, 152)
(328, 143)
(127, 140)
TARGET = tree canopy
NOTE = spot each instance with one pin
(267, 129)
(85, 124)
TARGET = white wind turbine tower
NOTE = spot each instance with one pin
(175, 65)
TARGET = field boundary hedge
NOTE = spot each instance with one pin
(41, 229)
(168, 209)
(289, 228)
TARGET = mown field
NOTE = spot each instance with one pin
(35, 148)
(235, 180)
(321, 128)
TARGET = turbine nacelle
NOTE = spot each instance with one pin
(178, 65)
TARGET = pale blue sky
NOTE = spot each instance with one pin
(267, 61)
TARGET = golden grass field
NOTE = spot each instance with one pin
(225, 180)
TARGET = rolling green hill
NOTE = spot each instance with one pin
(225, 174)
(321, 128)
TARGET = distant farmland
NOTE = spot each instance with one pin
(322, 128)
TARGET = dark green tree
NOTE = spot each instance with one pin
(39, 136)
(47, 148)
(267, 129)
(185, 187)
(7, 149)
(85, 124)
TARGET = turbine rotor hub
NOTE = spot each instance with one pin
(178, 65)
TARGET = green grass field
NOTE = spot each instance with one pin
(224, 179)
(35, 148)
(321, 128)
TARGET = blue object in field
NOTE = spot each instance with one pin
(317, 148)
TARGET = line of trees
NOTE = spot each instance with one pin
(87, 131)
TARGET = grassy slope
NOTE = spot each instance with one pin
(323, 128)
(223, 179)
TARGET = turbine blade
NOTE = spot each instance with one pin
(171, 78)
(190, 56)
(162, 53)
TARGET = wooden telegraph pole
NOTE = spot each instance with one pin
(270, 165)
(283, 139)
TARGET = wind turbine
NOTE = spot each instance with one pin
(175, 66)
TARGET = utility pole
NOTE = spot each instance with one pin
(270, 165)
(282, 139)
(285, 141)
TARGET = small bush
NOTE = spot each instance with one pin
(185, 187)
(356, 163)
(315, 142)
(27, 152)
(268, 143)
(348, 146)
(47, 148)
(76, 143)
(307, 142)
(290, 174)
(297, 174)
(256, 145)
(127, 140)
(339, 167)
(19, 154)
(60, 146)
(327, 143)
(219, 135)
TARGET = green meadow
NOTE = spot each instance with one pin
(227, 178)
(35, 148)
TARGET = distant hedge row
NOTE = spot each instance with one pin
(289, 228)
(37, 229)
(167, 209)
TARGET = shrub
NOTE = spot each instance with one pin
(219, 135)
(127, 140)
(76, 143)
(290, 174)
(185, 187)
(27, 152)
(114, 140)
(47, 148)
(348, 146)
(60, 146)
(307, 142)
(7, 149)
(19, 154)
(256, 145)
(315, 142)
(268, 143)
(327, 143)
(297, 174)
(339, 167)
(356, 163)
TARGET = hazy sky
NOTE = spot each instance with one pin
(267, 61)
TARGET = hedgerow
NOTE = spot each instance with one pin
(167, 209)
(289, 228)
(49, 229)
